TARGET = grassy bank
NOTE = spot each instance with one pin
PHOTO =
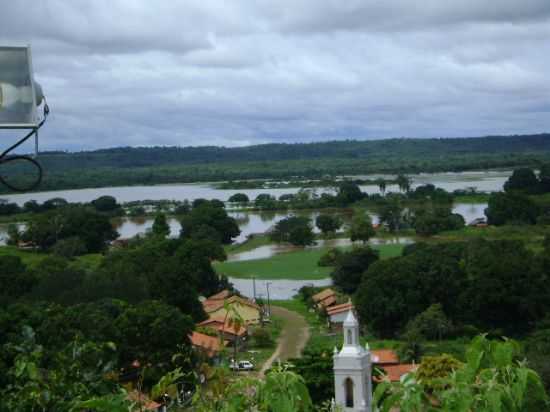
(299, 264)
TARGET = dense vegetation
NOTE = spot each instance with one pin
(138, 166)
(72, 332)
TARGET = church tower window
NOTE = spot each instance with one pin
(349, 392)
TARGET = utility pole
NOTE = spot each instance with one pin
(268, 304)
(254, 287)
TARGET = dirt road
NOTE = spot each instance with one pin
(293, 338)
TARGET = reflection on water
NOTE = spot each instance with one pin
(279, 289)
(267, 251)
(489, 181)
(129, 227)
(258, 222)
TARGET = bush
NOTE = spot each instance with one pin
(330, 257)
(434, 368)
(69, 247)
(432, 323)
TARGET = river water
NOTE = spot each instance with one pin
(485, 181)
(254, 222)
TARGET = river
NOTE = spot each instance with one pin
(484, 181)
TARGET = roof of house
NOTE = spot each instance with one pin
(384, 357)
(210, 344)
(395, 372)
(218, 324)
(323, 295)
(326, 302)
(213, 305)
(224, 294)
(335, 309)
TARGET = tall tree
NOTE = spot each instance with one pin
(522, 180)
(361, 228)
(207, 214)
(505, 208)
(328, 223)
(350, 267)
(404, 183)
(160, 226)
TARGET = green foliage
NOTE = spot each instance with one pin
(14, 235)
(262, 338)
(348, 193)
(160, 227)
(94, 229)
(412, 347)
(506, 208)
(434, 369)
(294, 229)
(57, 281)
(330, 257)
(155, 165)
(209, 214)
(489, 284)
(522, 180)
(429, 221)
(284, 391)
(105, 204)
(316, 367)
(361, 229)
(69, 247)
(280, 391)
(391, 213)
(491, 380)
(37, 382)
(404, 183)
(151, 331)
(350, 267)
(537, 348)
(239, 198)
(328, 224)
(431, 323)
(15, 281)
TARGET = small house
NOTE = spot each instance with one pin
(247, 310)
(336, 315)
(324, 299)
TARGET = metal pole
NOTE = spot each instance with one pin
(254, 287)
(268, 304)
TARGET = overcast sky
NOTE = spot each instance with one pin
(214, 72)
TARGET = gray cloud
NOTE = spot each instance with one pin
(233, 73)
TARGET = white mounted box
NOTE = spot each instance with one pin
(19, 94)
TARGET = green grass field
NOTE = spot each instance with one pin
(301, 264)
(31, 258)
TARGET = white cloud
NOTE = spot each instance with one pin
(233, 73)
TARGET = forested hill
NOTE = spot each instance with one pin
(406, 149)
(157, 165)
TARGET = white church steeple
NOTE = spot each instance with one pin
(352, 371)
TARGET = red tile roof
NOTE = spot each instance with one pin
(384, 357)
(335, 309)
(394, 372)
(210, 344)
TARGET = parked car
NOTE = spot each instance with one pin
(241, 366)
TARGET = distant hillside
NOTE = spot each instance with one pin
(156, 165)
(129, 157)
